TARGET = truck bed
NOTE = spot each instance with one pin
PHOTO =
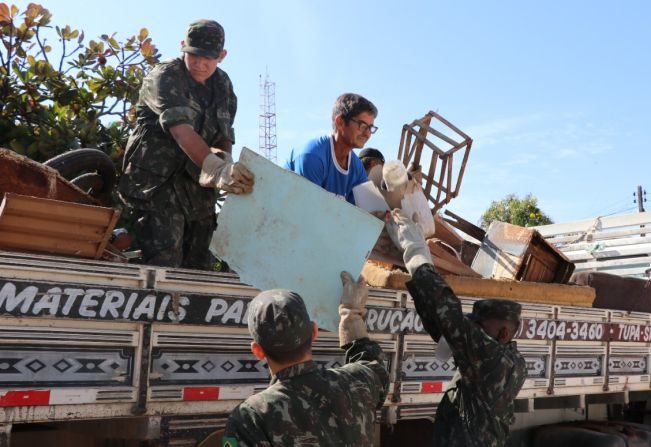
(96, 340)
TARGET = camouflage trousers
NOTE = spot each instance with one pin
(168, 239)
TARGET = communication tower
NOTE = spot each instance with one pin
(267, 134)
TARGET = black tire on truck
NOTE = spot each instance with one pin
(89, 169)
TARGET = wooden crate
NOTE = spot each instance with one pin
(513, 252)
(50, 226)
(441, 172)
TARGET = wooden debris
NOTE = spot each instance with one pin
(513, 252)
(464, 226)
(50, 226)
(442, 180)
(446, 260)
(20, 175)
(378, 276)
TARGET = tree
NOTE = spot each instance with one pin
(80, 95)
(523, 212)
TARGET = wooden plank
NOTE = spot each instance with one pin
(442, 136)
(37, 243)
(560, 294)
(444, 260)
(449, 124)
(107, 234)
(52, 228)
(34, 206)
(444, 231)
(464, 226)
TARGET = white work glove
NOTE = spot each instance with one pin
(352, 309)
(408, 236)
(222, 154)
(229, 177)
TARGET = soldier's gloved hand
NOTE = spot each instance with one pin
(352, 309)
(229, 177)
(222, 154)
(408, 236)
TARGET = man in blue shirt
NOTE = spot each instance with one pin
(329, 160)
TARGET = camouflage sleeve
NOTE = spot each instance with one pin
(440, 310)
(365, 360)
(232, 105)
(244, 429)
(162, 93)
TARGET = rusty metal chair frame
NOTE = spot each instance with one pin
(420, 134)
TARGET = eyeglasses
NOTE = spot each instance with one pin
(363, 126)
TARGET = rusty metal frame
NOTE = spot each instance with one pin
(438, 176)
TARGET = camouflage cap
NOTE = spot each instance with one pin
(204, 38)
(496, 309)
(278, 321)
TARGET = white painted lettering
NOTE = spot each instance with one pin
(49, 301)
(146, 307)
(73, 294)
(395, 321)
(9, 300)
(113, 300)
(183, 301)
(234, 313)
(371, 319)
(89, 302)
(127, 310)
(163, 307)
(408, 322)
(217, 308)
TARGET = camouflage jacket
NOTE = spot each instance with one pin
(155, 167)
(478, 408)
(306, 405)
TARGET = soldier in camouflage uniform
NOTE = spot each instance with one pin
(185, 115)
(477, 409)
(306, 405)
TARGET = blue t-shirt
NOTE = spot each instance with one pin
(316, 162)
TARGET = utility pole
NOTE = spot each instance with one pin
(267, 132)
(640, 198)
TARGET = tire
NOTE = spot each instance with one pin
(89, 169)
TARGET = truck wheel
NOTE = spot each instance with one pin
(90, 169)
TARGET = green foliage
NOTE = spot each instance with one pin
(82, 97)
(523, 212)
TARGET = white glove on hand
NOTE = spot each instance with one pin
(222, 154)
(352, 309)
(408, 236)
(229, 177)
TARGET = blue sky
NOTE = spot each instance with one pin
(555, 94)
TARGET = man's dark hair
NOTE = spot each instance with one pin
(349, 105)
(291, 356)
(368, 155)
(366, 161)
